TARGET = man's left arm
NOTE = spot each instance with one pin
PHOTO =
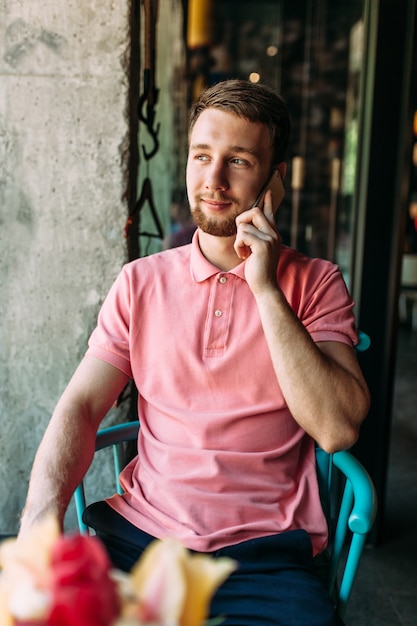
(322, 383)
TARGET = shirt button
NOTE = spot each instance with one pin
(223, 279)
(218, 313)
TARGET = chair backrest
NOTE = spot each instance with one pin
(115, 437)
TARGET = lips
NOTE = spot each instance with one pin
(216, 205)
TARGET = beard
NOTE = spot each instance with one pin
(224, 226)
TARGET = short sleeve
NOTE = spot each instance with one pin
(110, 339)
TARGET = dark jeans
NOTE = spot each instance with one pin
(274, 583)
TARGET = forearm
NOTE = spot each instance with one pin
(326, 396)
(67, 448)
(62, 459)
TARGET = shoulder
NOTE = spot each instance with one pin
(294, 263)
(312, 286)
(160, 261)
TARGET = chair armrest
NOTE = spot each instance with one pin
(364, 509)
(357, 512)
(113, 436)
(116, 434)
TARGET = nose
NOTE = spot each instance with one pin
(216, 177)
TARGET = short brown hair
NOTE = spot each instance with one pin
(252, 101)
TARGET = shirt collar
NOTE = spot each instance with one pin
(201, 268)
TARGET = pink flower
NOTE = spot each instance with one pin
(82, 592)
(49, 579)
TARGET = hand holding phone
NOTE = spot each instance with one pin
(274, 183)
(265, 225)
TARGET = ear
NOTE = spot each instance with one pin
(282, 169)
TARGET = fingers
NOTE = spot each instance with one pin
(268, 208)
(250, 239)
(262, 223)
(256, 226)
(256, 215)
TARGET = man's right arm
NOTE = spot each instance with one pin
(67, 447)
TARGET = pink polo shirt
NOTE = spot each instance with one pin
(221, 460)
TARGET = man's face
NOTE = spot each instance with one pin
(229, 160)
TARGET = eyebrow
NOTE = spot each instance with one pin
(238, 149)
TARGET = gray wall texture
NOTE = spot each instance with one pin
(63, 91)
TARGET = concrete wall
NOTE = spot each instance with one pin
(63, 95)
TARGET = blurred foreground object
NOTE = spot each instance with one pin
(49, 579)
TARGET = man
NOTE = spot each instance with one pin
(242, 352)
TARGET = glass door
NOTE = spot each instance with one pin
(321, 76)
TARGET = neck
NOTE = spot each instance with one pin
(219, 250)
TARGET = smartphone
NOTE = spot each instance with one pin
(274, 183)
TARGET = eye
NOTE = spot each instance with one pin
(239, 162)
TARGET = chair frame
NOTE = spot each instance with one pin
(357, 509)
(115, 437)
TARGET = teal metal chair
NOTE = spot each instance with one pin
(115, 437)
(347, 494)
(364, 341)
(348, 526)
(349, 502)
